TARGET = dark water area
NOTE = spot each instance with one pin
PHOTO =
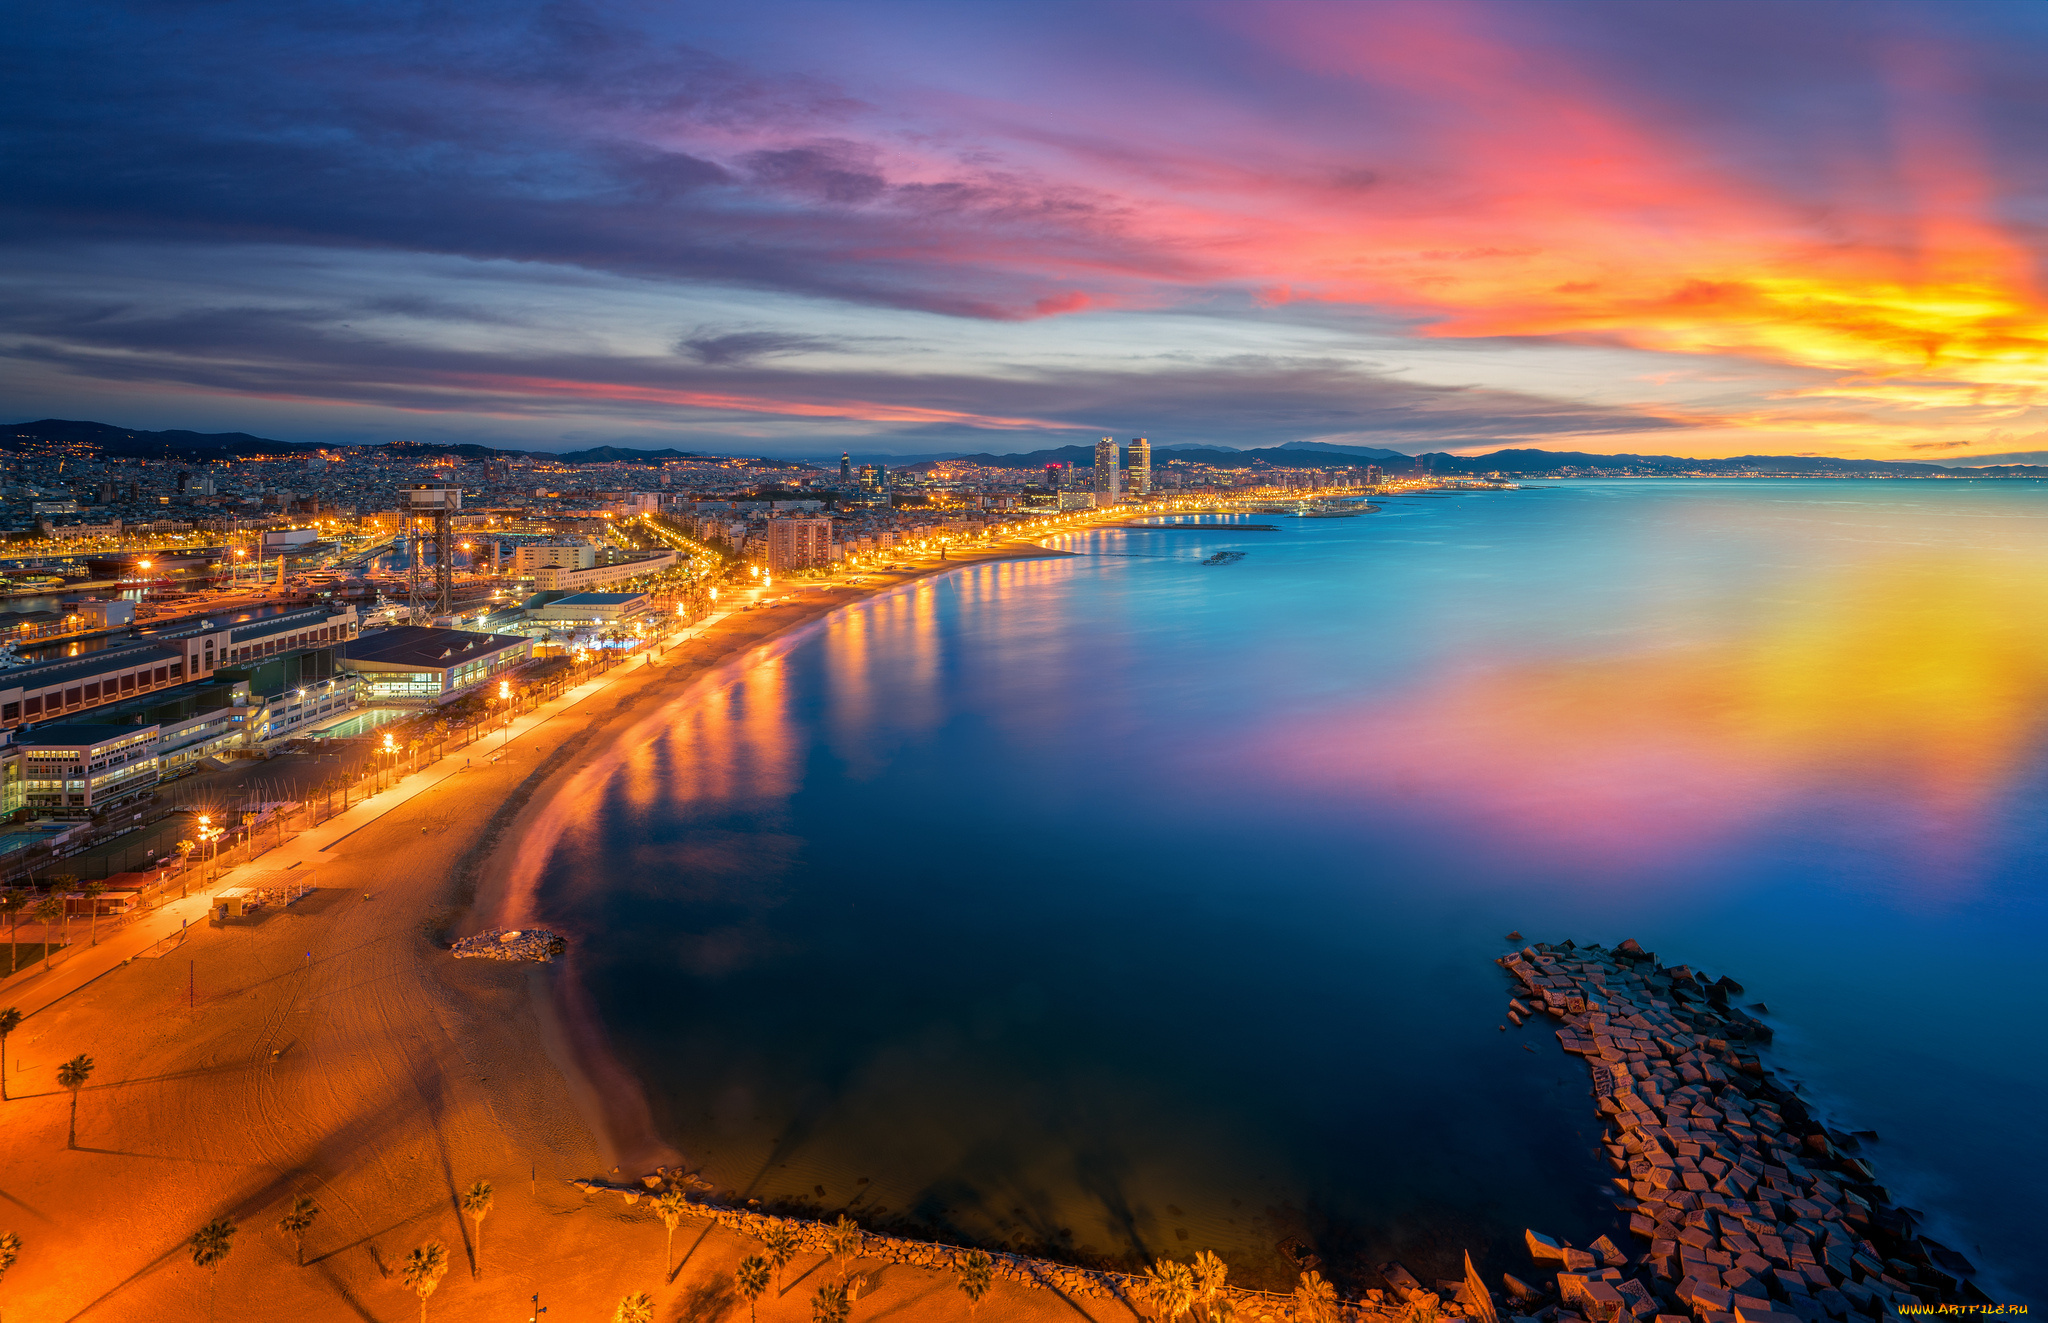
(1125, 906)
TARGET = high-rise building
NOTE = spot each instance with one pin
(845, 466)
(1372, 475)
(798, 544)
(1141, 467)
(1107, 476)
(1055, 477)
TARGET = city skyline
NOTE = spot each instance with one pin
(1686, 230)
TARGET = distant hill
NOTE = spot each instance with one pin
(1541, 462)
(126, 443)
(111, 442)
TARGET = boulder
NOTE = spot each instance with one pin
(1610, 1254)
(1543, 1247)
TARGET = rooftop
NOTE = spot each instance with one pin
(597, 599)
(77, 735)
(418, 645)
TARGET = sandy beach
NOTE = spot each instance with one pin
(333, 1050)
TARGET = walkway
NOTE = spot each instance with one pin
(184, 918)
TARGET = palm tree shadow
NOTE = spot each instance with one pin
(709, 1300)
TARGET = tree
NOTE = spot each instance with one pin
(1209, 1273)
(635, 1308)
(210, 1245)
(752, 1279)
(670, 1204)
(93, 891)
(12, 903)
(977, 1274)
(72, 1075)
(1171, 1288)
(298, 1222)
(424, 1268)
(781, 1244)
(476, 1206)
(10, 1020)
(62, 884)
(830, 1304)
(843, 1239)
(48, 910)
(1315, 1299)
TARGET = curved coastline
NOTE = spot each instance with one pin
(611, 1101)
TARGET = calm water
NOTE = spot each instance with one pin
(1134, 906)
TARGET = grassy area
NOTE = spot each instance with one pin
(26, 954)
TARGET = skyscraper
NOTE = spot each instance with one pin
(1141, 467)
(1107, 484)
(1055, 477)
(845, 467)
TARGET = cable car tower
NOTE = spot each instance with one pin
(429, 516)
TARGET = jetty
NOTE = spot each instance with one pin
(537, 944)
(1753, 1210)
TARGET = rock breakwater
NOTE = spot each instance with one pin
(512, 944)
(1754, 1211)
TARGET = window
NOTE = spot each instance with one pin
(177, 669)
(71, 697)
(32, 706)
(127, 683)
(92, 692)
(10, 712)
(161, 673)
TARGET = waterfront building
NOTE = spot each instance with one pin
(550, 580)
(1106, 473)
(417, 665)
(203, 719)
(798, 544)
(73, 769)
(535, 556)
(1141, 467)
(1077, 500)
(592, 608)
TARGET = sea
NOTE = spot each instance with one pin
(1119, 904)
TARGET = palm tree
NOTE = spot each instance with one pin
(977, 1274)
(1171, 1287)
(752, 1279)
(1315, 1299)
(843, 1239)
(424, 1268)
(72, 1075)
(476, 1206)
(830, 1304)
(781, 1245)
(1209, 1273)
(185, 849)
(10, 1020)
(299, 1221)
(635, 1308)
(210, 1245)
(48, 909)
(62, 884)
(670, 1204)
(93, 891)
(11, 904)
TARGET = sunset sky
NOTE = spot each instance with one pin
(1698, 229)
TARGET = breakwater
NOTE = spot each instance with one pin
(1751, 1206)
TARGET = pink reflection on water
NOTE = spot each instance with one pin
(1899, 699)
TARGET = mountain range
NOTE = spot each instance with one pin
(111, 442)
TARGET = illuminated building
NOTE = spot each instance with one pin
(1141, 467)
(1106, 473)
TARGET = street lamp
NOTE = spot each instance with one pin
(505, 697)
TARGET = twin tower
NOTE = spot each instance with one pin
(1108, 476)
